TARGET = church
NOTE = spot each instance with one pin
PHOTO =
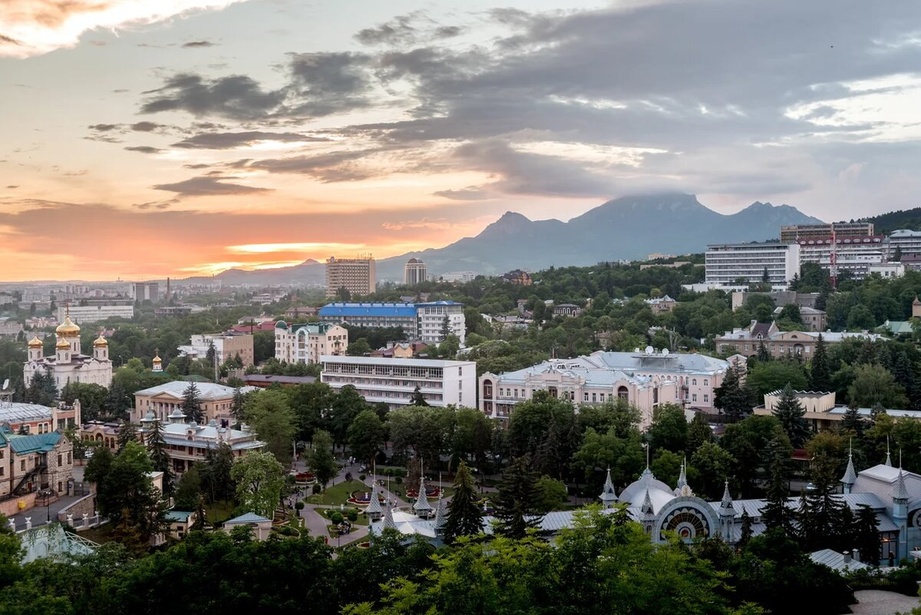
(68, 363)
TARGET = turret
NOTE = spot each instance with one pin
(35, 349)
(900, 513)
(648, 517)
(727, 514)
(850, 476)
(101, 348)
(608, 496)
(63, 351)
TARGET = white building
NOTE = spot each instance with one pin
(907, 240)
(393, 381)
(306, 343)
(414, 272)
(644, 378)
(887, 270)
(226, 347)
(146, 291)
(69, 364)
(436, 317)
(853, 254)
(82, 314)
(420, 321)
(727, 263)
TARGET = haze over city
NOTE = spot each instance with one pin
(184, 137)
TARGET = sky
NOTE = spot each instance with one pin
(145, 139)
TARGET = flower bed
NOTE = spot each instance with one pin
(362, 498)
(430, 492)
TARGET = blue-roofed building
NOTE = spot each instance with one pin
(426, 322)
(30, 462)
(261, 526)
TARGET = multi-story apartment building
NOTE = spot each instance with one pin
(853, 254)
(69, 364)
(216, 400)
(644, 378)
(728, 263)
(414, 272)
(797, 232)
(420, 321)
(748, 340)
(393, 381)
(905, 240)
(306, 343)
(226, 346)
(146, 291)
(97, 310)
(356, 275)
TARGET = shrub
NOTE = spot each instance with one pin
(336, 517)
(299, 505)
(352, 515)
(399, 480)
(315, 489)
(362, 477)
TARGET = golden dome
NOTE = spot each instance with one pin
(62, 344)
(157, 359)
(67, 328)
(100, 341)
(35, 342)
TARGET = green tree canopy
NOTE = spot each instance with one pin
(260, 479)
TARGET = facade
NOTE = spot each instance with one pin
(414, 272)
(189, 443)
(356, 275)
(36, 419)
(306, 343)
(146, 291)
(420, 321)
(813, 319)
(259, 525)
(797, 232)
(728, 263)
(226, 346)
(822, 412)
(393, 381)
(69, 364)
(32, 462)
(904, 240)
(779, 297)
(517, 276)
(661, 305)
(887, 270)
(645, 379)
(748, 340)
(853, 254)
(95, 311)
(9, 328)
(216, 400)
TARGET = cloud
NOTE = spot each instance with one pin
(327, 83)
(40, 26)
(208, 186)
(231, 140)
(105, 127)
(11, 187)
(236, 96)
(195, 44)
(470, 193)
(144, 149)
(145, 126)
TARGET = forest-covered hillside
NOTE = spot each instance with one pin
(886, 223)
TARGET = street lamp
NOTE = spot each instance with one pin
(48, 505)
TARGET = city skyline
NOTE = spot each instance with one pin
(185, 137)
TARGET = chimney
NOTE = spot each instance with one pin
(855, 555)
(847, 557)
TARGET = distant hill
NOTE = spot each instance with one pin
(886, 223)
(628, 228)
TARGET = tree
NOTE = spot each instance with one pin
(791, 415)
(712, 466)
(366, 436)
(776, 514)
(273, 420)
(191, 404)
(188, 490)
(92, 399)
(516, 504)
(42, 389)
(873, 383)
(358, 348)
(237, 405)
(746, 441)
(853, 422)
(465, 517)
(159, 458)
(551, 494)
(346, 404)
(766, 378)
(260, 479)
(320, 459)
(732, 397)
(417, 399)
(819, 369)
(669, 429)
(217, 484)
(699, 432)
(126, 433)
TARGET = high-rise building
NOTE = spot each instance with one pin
(799, 232)
(356, 275)
(146, 291)
(747, 262)
(414, 272)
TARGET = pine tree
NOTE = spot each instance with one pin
(126, 433)
(548, 459)
(417, 399)
(763, 355)
(42, 389)
(465, 518)
(745, 533)
(791, 415)
(865, 534)
(732, 397)
(237, 405)
(191, 404)
(819, 370)
(156, 450)
(516, 504)
(852, 421)
(775, 513)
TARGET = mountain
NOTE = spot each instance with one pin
(626, 228)
(886, 223)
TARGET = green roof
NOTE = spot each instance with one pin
(38, 443)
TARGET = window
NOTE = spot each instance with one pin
(694, 382)
(594, 398)
(22, 465)
(694, 397)
(706, 382)
(585, 397)
(706, 398)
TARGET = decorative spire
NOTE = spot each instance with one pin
(422, 506)
(646, 446)
(608, 496)
(646, 508)
(682, 477)
(901, 493)
(441, 514)
(374, 506)
(850, 476)
(388, 523)
(888, 458)
(726, 503)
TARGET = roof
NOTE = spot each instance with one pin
(347, 310)
(37, 443)
(178, 515)
(270, 379)
(206, 435)
(207, 391)
(17, 412)
(839, 562)
(392, 361)
(247, 518)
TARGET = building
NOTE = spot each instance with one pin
(566, 309)
(306, 343)
(146, 291)
(748, 340)
(813, 319)
(393, 381)
(852, 254)
(904, 241)
(517, 276)
(661, 305)
(226, 347)
(458, 276)
(260, 526)
(189, 443)
(887, 270)
(729, 264)
(29, 462)
(779, 297)
(426, 322)
(263, 381)
(36, 419)
(216, 400)
(9, 327)
(644, 378)
(400, 350)
(90, 311)
(798, 232)
(69, 364)
(356, 275)
(414, 272)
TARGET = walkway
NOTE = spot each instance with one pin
(877, 602)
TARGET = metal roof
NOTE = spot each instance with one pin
(207, 391)
(17, 412)
(346, 310)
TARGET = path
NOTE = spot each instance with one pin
(877, 602)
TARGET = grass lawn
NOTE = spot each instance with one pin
(338, 493)
(219, 512)
(100, 534)
(326, 512)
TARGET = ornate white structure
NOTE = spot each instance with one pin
(69, 364)
(306, 343)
